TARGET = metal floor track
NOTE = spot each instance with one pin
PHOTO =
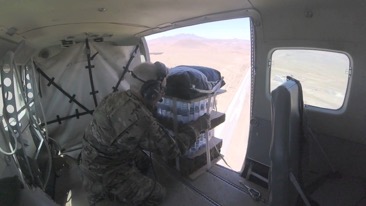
(217, 187)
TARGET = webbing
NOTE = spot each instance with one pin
(126, 68)
(89, 67)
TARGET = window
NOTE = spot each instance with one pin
(224, 46)
(323, 74)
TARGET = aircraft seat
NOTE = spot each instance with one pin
(285, 149)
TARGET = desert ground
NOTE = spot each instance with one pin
(323, 75)
(232, 58)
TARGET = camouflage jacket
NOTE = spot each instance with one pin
(122, 124)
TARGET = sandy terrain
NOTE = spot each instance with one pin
(230, 57)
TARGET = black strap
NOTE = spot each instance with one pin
(71, 98)
(299, 189)
(89, 67)
(306, 130)
(60, 119)
(126, 68)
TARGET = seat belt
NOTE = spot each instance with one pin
(315, 139)
(298, 188)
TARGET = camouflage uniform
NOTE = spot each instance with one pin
(112, 157)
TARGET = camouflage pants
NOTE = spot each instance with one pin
(129, 187)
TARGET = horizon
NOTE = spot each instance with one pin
(225, 29)
(194, 36)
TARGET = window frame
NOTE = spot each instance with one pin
(344, 104)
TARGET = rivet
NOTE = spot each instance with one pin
(102, 9)
(309, 14)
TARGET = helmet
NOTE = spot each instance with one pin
(149, 80)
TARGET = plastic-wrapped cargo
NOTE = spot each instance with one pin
(172, 110)
(189, 82)
(191, 93)
(183, 111)
(200, 143)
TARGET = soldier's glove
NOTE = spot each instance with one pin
(202, 123)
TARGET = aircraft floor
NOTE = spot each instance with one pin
(218, 186)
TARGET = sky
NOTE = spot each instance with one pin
(227, 29)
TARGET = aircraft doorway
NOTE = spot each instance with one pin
(226, 47)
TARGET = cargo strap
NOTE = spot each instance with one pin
(126, 68)
(89, 67)
(253, 193)
(299, 190)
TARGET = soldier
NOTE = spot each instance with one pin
(113, 161)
